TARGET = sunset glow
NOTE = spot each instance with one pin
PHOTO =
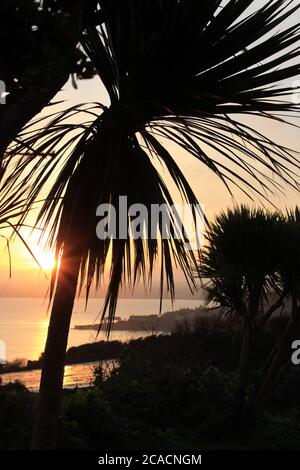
(45, 258)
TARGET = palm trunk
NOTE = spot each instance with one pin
(51, 385)
(274, 371)
(274, 368)
(243, 372)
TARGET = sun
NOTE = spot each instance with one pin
(45, 258)
(36, 253)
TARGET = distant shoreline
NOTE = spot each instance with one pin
(101, 350)
(112, 349)
(156, 323)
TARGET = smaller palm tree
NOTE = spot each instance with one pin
(241, 263)
(279, 359)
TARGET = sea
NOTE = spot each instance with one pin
(24, 323)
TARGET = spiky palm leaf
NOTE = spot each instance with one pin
(242, 260)
(12, 209)
(180, 70)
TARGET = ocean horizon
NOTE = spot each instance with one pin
(24, 322)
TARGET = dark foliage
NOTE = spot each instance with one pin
(16, 416)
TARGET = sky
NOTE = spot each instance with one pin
(29, 280)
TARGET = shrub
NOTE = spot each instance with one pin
(16, 416)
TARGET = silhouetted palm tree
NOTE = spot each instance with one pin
(242, 264)
(279, 359)
(252, 261)
(179, 70)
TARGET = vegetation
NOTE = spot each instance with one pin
(41, 51)
(252, 261)
(181, 402)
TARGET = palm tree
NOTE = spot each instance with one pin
(178, 70)
(241, 263)
(279, 359)
(250, 255)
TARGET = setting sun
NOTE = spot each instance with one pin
(45, 258)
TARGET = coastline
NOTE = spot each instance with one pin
(156, 325)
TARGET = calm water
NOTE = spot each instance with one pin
(77, 375)
(24, 322)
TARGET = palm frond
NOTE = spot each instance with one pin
(242, 259)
